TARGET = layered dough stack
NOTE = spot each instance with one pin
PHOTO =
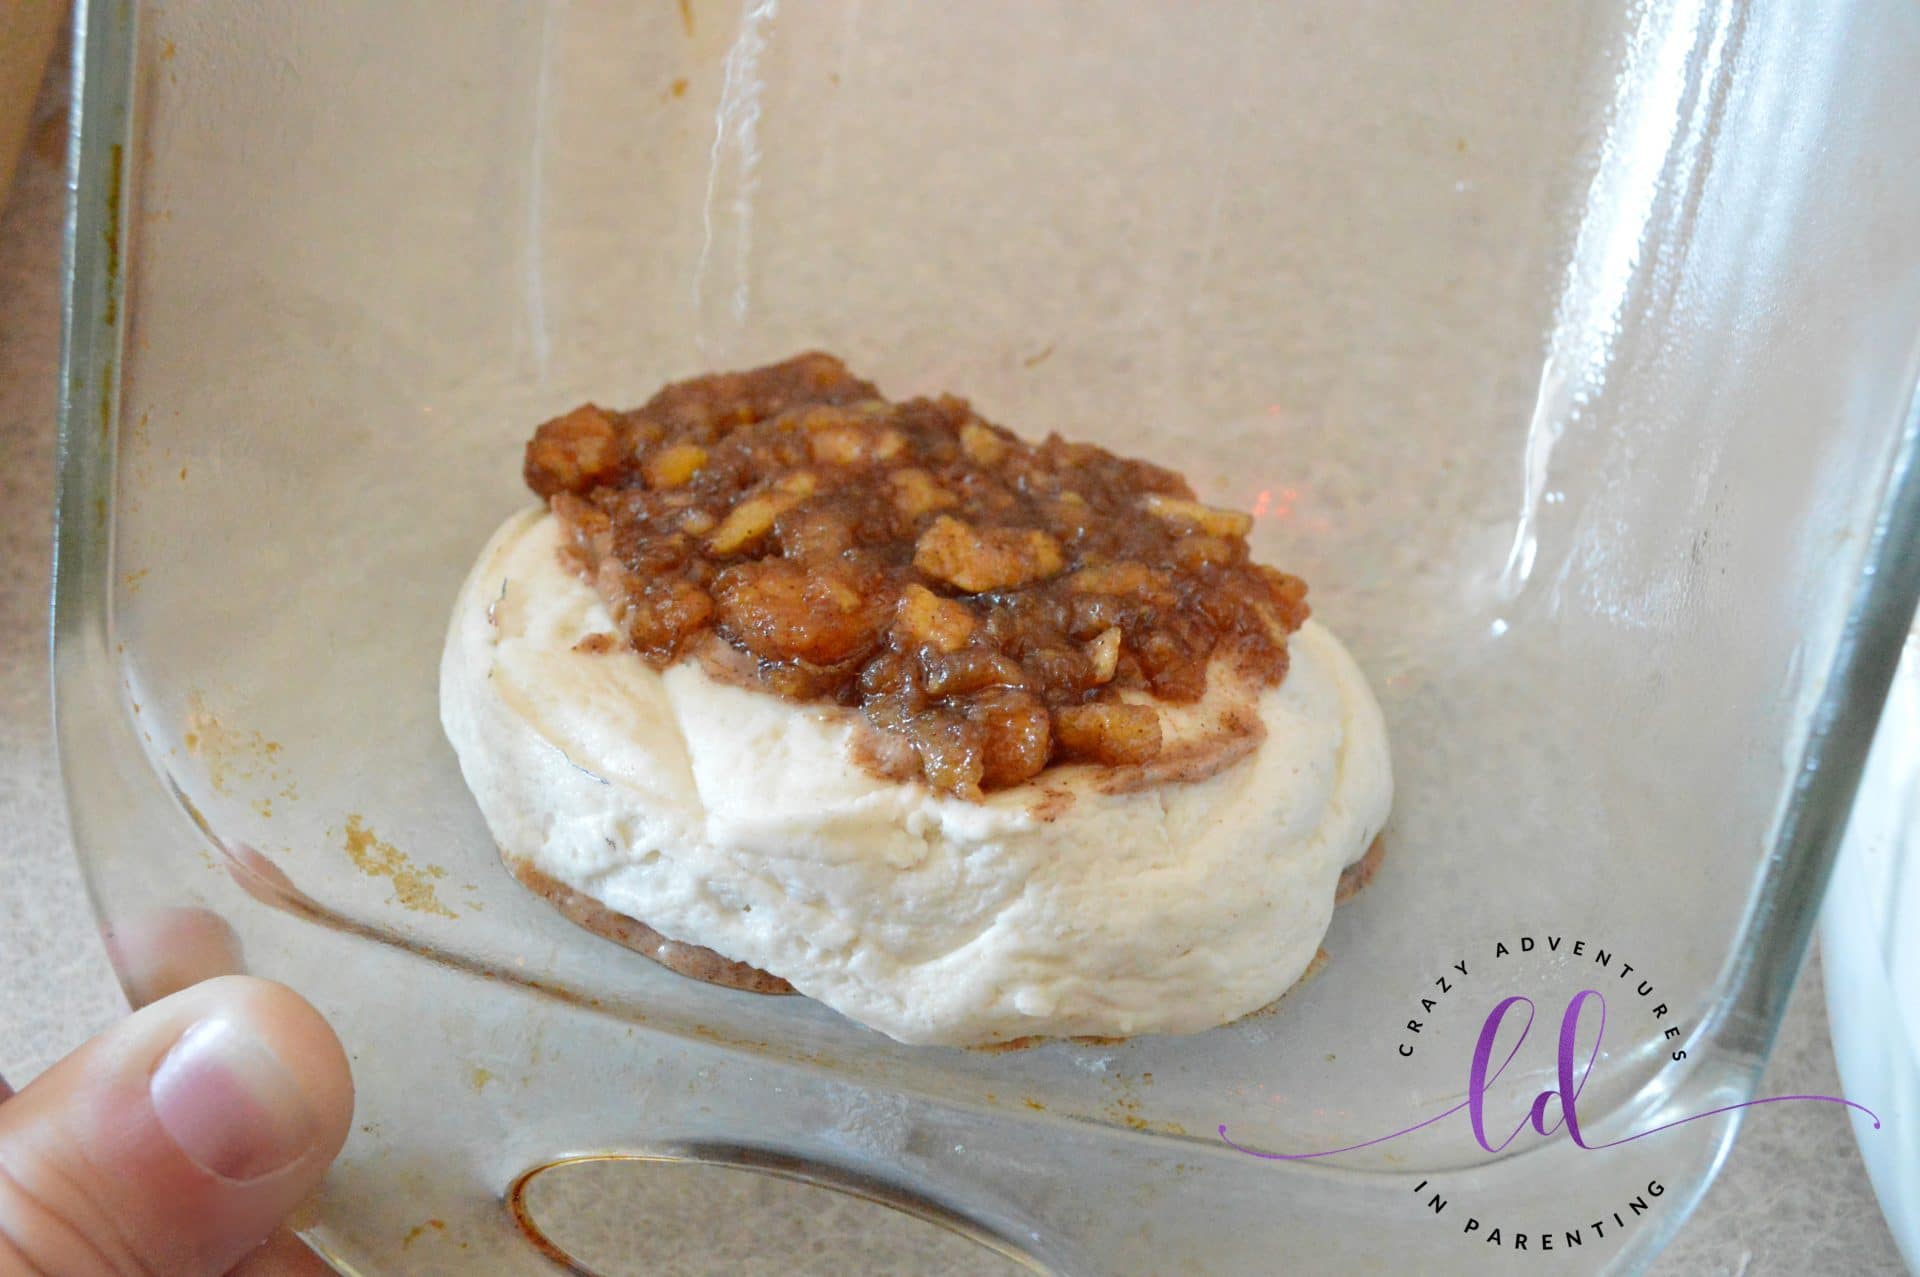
(1109, 790)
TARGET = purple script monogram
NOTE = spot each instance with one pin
(1564, 1098)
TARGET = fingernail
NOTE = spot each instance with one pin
(229, 1103)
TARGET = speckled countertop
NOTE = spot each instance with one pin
(1792, 1199)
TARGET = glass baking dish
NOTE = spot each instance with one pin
(1569, 352)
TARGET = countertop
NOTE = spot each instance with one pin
(1792, 1199)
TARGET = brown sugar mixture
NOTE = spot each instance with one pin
(985, 601)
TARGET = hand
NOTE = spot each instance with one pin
(178, 1140)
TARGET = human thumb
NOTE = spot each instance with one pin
(176, 1140)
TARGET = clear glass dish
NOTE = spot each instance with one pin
(1570, 355)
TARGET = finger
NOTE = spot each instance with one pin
(168, 950)
(259, 877)
(6, 1092)
(176, 1140)
(282, 1255)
